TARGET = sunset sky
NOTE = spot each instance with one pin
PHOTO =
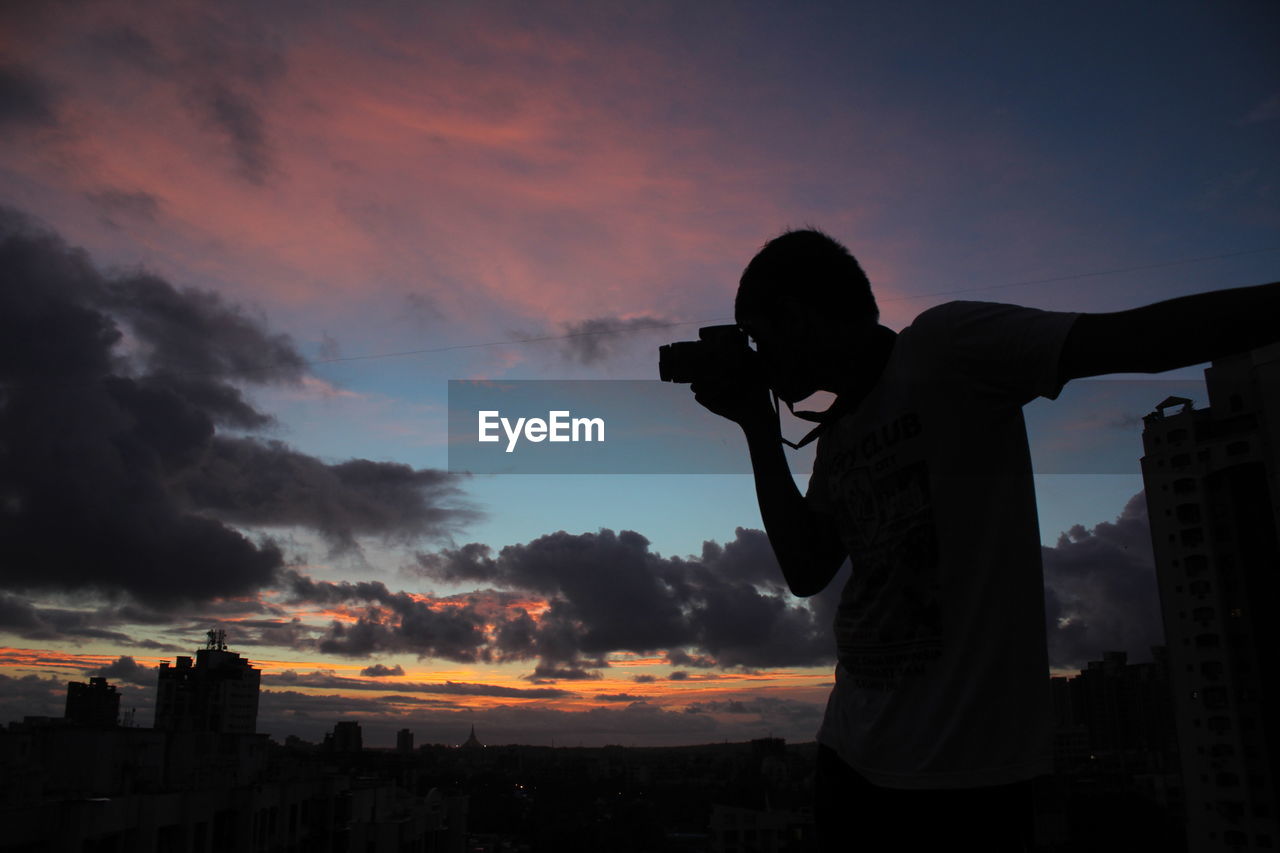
(245, 246)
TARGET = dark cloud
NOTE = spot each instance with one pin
(399, 622)
(282, 632)
(114, 476)
(547, 673)
(31, 696)
(237, 117)
(618, 697)
(608, 592)
(220, 62)
(422, 309)
(24, 619)
(595, 340)
(678, 675)
(26, 98)
(251, 482)
(382, 671)
(125, 668)
(784, 712)
(122, 206)
(126, 45)
(1100, 591)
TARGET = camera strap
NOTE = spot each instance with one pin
(822, 419)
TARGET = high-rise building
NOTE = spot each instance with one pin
(1213, 497)
(404, 741)
(219, 693)
(346, 737)
(94, 704)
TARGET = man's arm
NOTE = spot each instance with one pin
(805, 542)
(1175, 333)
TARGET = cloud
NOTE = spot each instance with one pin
(1100, 590)
(116, 204)
(126, 45)
(113, 392)
(551, 673)
(449, 688)
(247, 481)
(125, 668)
(771, 708)
(608, 592)
(236, 116)
(618, 697)
(24, 619)
(32, 696)
(26, 98)
(595, 340)
(382, 671)
(680, 658)
(399, 623)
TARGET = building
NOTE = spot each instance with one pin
(346, 737)
(404, 741)
(95, 704)
(219, 693)
(1214, 503)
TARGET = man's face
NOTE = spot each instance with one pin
(805, 350)
(791, 358)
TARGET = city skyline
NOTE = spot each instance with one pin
(256, 208)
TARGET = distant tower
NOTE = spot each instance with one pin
(345, 737)
(404, 741)
(472, 742)
(94, 704)
(1214, 503)
(218, 694)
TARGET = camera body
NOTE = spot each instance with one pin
(721, 352)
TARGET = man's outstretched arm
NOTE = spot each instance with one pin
(1175, 333)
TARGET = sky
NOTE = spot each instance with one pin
(245, 247)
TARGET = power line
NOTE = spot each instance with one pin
(1076, 276)
(673, 325)
(677, 324)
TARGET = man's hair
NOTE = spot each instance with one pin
(810, 268)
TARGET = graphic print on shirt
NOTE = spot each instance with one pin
(889, 623)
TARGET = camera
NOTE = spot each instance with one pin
(719, 352)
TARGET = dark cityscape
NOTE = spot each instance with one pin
(1173, 754)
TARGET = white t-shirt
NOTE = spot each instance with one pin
(942, 680)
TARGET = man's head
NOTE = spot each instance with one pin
(807, 304)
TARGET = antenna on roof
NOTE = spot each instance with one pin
(216, 640)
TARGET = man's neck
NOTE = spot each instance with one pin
(867, 365)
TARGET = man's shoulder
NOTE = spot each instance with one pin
(962, 310)
(957, 320)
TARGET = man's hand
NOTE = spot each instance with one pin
(806, 544)
(744, 400)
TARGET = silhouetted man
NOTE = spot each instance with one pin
(940, 712)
